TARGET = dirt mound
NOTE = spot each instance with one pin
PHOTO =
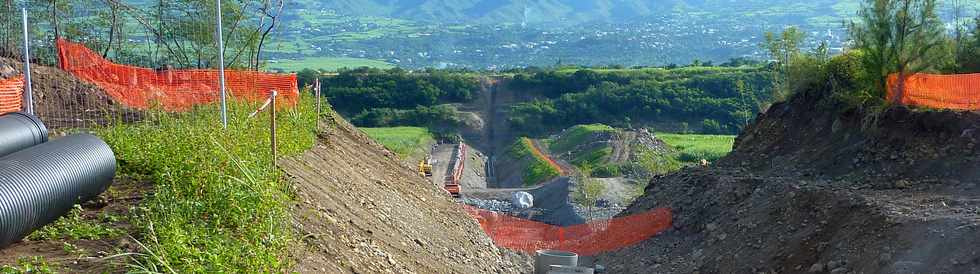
(811, 189)
(63, 101)
(360, 210)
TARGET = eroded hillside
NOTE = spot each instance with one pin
(359, 209)
(811, 188)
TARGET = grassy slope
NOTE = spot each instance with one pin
(691, 148)
(595, 158)
(538, 169)
(407, 142)
(219, 203)
(327, 64)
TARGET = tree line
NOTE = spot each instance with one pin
(154, 33)
(373, 97)
(705, 99)
(890, 37)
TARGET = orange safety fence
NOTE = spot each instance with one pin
(11, 94)
(585, 239)
(958, 91)
(540, 155)
(170, 89)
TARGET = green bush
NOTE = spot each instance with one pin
(607, 171)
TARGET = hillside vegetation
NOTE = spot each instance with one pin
(404, 141)
(537, 168)
(692, 148)
(395, 97)
(219, 202)
(704, 99)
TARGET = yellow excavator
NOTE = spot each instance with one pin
(425, 167)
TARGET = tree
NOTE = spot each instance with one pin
(783, 49)
(968, 60)
(588, 191)
(898, 36)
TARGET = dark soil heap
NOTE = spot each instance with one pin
(811, 188)
(63, 101)
(360, 210)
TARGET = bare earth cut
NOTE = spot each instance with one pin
(359, 209)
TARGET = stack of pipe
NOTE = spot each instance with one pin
(40, 180)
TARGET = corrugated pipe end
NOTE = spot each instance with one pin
(19, 131)
(39, 184)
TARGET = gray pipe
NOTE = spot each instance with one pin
(43, 182)
(19, 131)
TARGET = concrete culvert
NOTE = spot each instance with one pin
(19, 131)
(41, 183)
(546, 258)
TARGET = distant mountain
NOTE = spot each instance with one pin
(578, 11)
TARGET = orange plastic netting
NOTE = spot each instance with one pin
(541, 155)
(170, 89)
(586, 239)
(959, 91)
(11, 94)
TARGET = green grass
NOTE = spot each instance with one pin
(327, 64)
(35, 264)
(576, 136)
(219, 203)
(404, 141)
(691, 148)
(74, 227)
(538, 170)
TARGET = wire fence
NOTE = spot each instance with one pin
(120, 59)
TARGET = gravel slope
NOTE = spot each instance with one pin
(361, 210)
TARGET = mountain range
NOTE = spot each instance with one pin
(579, 11)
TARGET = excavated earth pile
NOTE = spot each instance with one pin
(360, 210)
(810, 188)
(63, 101)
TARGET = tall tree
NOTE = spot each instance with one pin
(903, 37)
(783, 48)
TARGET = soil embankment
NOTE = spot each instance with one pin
(360, 210)
(810, 188)
(63, 101)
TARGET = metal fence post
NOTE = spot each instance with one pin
(221, 68)
(317, 88)
(272, 121)
(28, 105)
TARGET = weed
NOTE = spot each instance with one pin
(74, 226)
(35, 264)
(219, 203)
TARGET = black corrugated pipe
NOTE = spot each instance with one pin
(43, 182)
(19, 131)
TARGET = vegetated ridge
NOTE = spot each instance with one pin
(815, 185)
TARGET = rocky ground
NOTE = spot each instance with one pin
(362, 211)
(812, 188)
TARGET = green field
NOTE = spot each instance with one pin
(327, 64)
(691, 148)
(407, 142)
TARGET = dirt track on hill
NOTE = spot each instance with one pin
(360, 210)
